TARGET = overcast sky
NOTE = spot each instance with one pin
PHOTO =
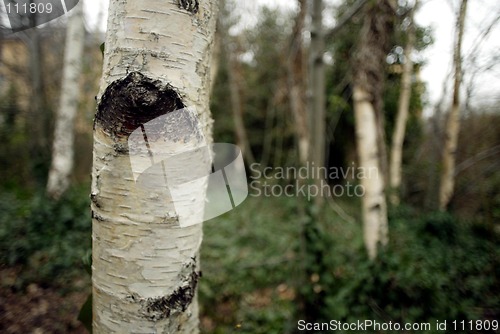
(439, 14)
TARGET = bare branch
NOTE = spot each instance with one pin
(346, 18)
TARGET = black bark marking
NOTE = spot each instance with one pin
(159, 308)
(97, 217)
(95, 200)
(191, 6)
(120, 148)
(132, 101)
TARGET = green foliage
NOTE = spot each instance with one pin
(248, 263)
(257, 273)
(46, 239)
(435, 267)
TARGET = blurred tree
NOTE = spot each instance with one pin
(233, 51)
(403, 111)
(262, 86)
(62, 145)
(453, 122)
(297, 84)
(145, 263)
(317, 88)
(368, 79)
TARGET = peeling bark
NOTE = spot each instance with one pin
(189, 5)
(145, 268)
(178, 301)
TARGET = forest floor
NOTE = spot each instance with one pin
(257, 271)
(38, 309)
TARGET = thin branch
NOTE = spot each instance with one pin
(355, 8)
(475, 159)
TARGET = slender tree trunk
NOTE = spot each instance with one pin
(447, 183)
(317, 118)
(367, 95)
(381, 142)
(374, 207)
(145, 251)
(398, 135)
(62, 145)
(235, 79)
(296, 80)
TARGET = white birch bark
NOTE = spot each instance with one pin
(145, 265)
(374, 204)
(447, 183)
(62, 145)
(398, 136)
(367, 99)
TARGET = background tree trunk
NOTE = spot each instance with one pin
(237, 105)
(398, 135)
(297, 84)
(453, 123)
(317, 118)
(145, 258)
(62, 145)
(236, 81)
(374, 205)
(367, 95)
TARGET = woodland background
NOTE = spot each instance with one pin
(272, 260)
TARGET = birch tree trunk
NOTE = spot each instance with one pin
(367, 95)
(398, 135)
(145, 253)
(62, 145)
(453, 123)
(374, 206)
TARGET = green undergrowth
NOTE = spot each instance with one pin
(273, 261)
(44, 241)
(259, 277)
